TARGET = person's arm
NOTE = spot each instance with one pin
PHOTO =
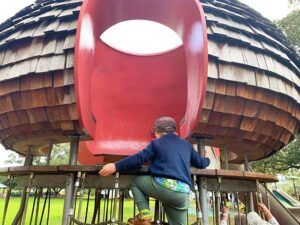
(199, 162)
(224, 216)
(268, 214)
(129, 163)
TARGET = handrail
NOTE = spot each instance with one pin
(63, 169)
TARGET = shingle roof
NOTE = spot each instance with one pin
(252, 101)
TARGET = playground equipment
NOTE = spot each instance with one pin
(118, 116)
(286, 199)
(251, 108)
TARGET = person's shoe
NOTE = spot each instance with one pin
(145, 220)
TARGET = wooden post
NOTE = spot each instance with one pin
(70, 180)
(225, 159)
(49, 153)
(26, 191)
(202, 186)
(250, 205)
(29, 157)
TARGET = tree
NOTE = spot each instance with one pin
(60, 154)
(14, 159)
(290, 26)
(286, 161)
(294, 2)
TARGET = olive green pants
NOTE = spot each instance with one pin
(175, 204)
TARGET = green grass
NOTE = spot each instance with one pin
(14, 204)
(56, 210)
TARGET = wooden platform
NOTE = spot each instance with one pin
(92, 169)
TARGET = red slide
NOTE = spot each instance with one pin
(119, 95)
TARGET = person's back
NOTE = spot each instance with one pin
(170, 179)
(173, 157)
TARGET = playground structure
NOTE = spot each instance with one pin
(251, 108)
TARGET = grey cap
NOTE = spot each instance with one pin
(165, 125)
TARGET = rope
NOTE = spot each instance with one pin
(44, 207)
(24, 201)
(81, 195)
(99, 209)
(74, 197)
(33, 206)
(22, 206)
(87, 206)
(40, 192)
(7, 198)
(113, 208)
(213, 207)
(96, 205)
(49, 204)
(198, 205)
(238, 208)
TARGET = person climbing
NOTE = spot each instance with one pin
(170, 178)
(254, 219)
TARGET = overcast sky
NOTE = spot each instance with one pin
(272, 9)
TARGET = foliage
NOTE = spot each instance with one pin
(2, 179)
(14, 159)
(290, 25)
(286, 161)
(293, 2)
(59, 156)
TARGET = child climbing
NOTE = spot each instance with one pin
(169, 180)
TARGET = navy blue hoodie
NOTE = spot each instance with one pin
(170, 156)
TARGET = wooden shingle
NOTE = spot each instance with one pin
(69, 42)
(252, 99)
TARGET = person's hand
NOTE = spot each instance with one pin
(265, 210)
(263, 207)
(108, 169)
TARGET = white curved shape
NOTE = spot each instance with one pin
(141, 37)
(87, 34)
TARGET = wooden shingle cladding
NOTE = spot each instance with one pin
(252, 101)
(37, 96)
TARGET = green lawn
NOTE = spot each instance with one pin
(56, 210)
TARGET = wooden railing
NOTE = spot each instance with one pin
(207, 182)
